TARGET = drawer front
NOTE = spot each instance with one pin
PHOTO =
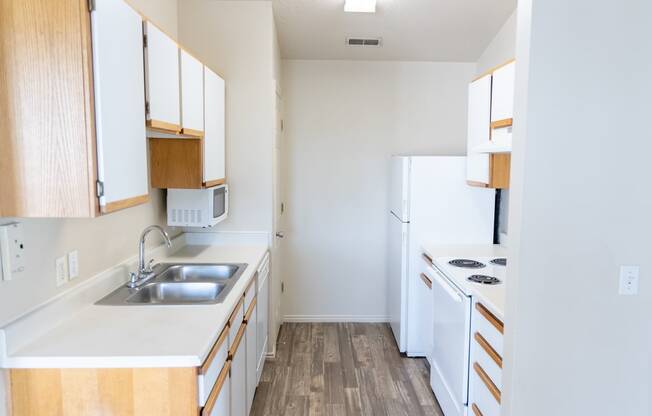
(250, 293)
(212, 367)
(235, 321)
(490, 327)
(488, 359)
(482, 397)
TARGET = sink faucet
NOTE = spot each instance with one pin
(145, 271)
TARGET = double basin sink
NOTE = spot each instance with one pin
(180, 284)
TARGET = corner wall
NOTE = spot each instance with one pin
(581, 206)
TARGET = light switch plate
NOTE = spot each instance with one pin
(628, 280)
(12, 250)
(73, 264)
(62, 271)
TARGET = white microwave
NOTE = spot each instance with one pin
(198, 207)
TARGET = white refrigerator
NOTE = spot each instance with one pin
(430, 203)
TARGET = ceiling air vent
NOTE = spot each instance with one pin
(373, 42)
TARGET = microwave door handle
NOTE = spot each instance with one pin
(442, 281)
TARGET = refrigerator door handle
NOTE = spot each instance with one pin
(443, 282)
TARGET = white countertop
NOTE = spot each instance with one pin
(99, 336)
(493, 297)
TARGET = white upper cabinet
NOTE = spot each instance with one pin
(214, 150)
(162, 80)
(117, 33)
(502, 93)
(478, 164)
(192, 94)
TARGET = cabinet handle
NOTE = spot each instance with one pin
(476, 410)
(497, 323)
(427, 258)
(487, 381)
(250, 311)
(214, 350)
(488, 349)
(426, 280)
(212, 398)
(236, 342)
(498, 124)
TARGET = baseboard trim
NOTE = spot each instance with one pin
(336, 318)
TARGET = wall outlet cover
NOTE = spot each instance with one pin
(61, 271)
(73, 264)
(12, 250)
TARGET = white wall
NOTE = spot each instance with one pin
(101, 242)
(235, 38)
(343, 120)
(580, 207)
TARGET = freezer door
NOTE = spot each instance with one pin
(399, 187)
(397, 274)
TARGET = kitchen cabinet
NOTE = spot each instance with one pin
(426, 315)
(192, 95)
(486, 361)
(490, 114)
(214, 171)
(73, 143)
(262, 333)
(162, 80)
(238, 355)
(250, 341)
(194, 163)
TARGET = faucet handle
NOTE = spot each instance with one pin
(133, 279)
(148, 268)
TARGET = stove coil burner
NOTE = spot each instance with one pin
(483, 279)
(466, 263)
(500, 261)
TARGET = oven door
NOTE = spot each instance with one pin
(219, 203)
(450, 353)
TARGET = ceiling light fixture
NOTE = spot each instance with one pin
(360, 6)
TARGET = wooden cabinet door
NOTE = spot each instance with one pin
(479, 107)
(214, 147)
(192, 94)
(502, 93)
(162, 80)
(117, 33)
(252, 380)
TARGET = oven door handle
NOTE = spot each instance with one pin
(448, 288)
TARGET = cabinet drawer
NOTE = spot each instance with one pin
(250, 293)
(236, 319)
(490, 327)
(210, 371)
(481, 394)
(488, 359)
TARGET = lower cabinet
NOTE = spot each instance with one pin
(262, 312)
(239, 374)
(485, 373)
(224, 385)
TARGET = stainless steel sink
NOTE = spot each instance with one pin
(180, 284)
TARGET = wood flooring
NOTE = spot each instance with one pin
(342, 369)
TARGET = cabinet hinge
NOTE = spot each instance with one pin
(146, 109)
(99, 189)
(91, 5)
(144, 40)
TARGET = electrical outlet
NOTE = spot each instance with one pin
(12, 250)
(62, 271)
(73, 264)
(628, 280)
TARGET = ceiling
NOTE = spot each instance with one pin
(411, 30)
